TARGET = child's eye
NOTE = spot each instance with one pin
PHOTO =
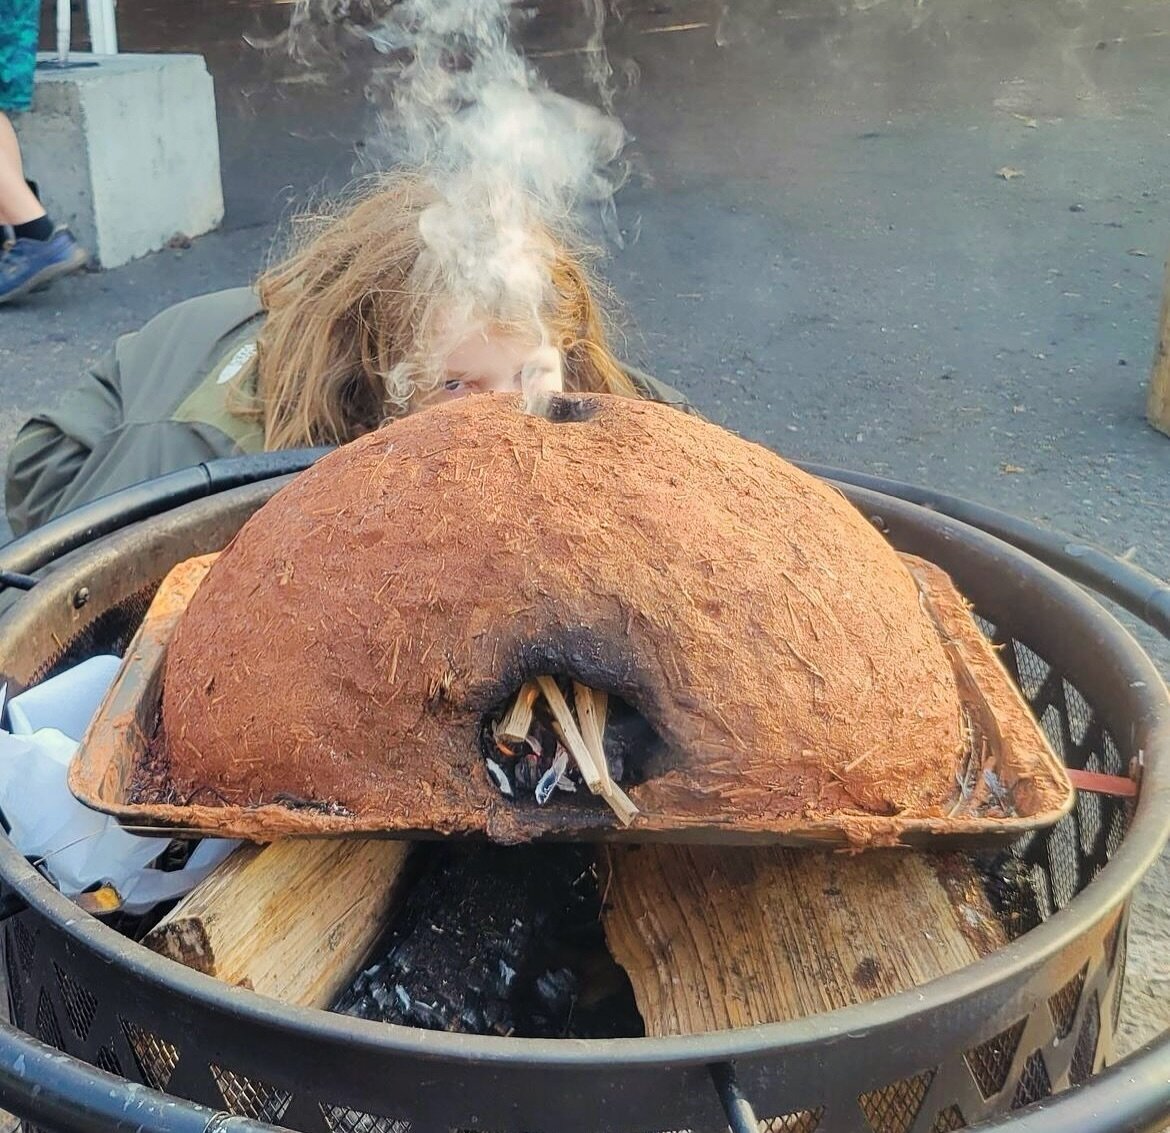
(453, 385)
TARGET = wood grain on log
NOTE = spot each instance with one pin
(293, 920)
(718, 937)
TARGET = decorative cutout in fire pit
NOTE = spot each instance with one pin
(339, 666)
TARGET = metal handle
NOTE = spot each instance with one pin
(39, 548)
(741, 1118)
(60, 1093)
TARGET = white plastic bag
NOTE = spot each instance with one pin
(75, 846)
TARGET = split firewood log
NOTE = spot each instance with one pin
(721, 937)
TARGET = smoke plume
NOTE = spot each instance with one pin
(508, 155)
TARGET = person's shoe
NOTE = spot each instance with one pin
(31, 265)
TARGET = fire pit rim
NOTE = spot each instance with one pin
(998, 968)
(1150, 704)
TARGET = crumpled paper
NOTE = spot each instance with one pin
(76, 847)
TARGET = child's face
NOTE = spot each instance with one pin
(488, 360)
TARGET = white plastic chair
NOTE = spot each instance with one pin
(103, 29)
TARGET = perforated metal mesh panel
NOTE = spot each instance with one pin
(110, 632)
(341, 1119)
(807, 1121)
(1063, 860)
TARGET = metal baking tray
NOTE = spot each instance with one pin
(996, 797)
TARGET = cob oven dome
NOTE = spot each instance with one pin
(348, 646)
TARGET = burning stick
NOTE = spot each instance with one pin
(592, 710)
(590, 758)
(518, 722)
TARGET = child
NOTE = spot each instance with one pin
(356, 327)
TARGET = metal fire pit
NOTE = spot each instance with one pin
(991, 1039)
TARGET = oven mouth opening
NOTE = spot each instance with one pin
(530, 750)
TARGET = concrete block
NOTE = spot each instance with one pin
(125, 150)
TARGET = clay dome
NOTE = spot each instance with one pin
(346, 649)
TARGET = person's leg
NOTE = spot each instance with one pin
(9, 146)
(20, 21)
(18, 205)
(39, 251)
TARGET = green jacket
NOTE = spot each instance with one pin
(159, 401)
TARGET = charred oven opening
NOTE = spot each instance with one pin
(554, 739)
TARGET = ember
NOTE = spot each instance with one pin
(528, 749)
(503, 941)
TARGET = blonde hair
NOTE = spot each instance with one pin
(349, 311)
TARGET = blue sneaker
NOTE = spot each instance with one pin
(31, 265)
